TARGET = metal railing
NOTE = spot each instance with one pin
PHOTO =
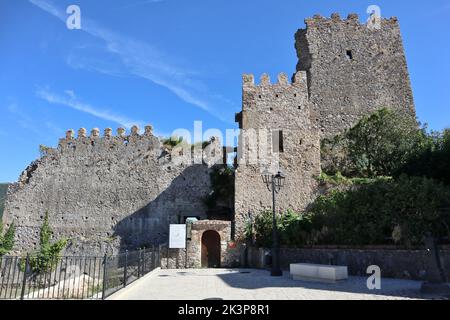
(73, 277)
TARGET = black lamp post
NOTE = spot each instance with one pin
(274, 183)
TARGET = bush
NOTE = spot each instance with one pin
(172, 141)
(6, 240)
(339, 179)
(3, 192)
(433, 160)
(222, 185)
(384, 211)
(370, 213)
(48, 255)
(294, 229)
(379, 203)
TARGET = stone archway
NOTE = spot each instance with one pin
(210, 249)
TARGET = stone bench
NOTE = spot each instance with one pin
(318, 272)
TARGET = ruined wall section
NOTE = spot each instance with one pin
(106, 193)
(353, 69)
(281, 106)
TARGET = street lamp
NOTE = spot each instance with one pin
(274, 183)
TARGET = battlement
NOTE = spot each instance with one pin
(298, 79)
(352, 19)
(107, 133)
(123, 145)
(353, 68)
(84, 142)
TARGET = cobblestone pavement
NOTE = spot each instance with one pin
(250, 284)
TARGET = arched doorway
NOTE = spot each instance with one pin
(210, 249)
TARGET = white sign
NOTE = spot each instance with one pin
(177, 236)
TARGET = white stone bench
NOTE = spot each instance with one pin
(318, 272)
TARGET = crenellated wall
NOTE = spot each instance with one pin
(267, 110)
(353, 69)
(108, 193)
(346, 70)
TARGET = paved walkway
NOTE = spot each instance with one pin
(251, 284)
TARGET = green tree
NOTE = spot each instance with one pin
(7, 240)
(433, 160)
(378, 145)
(222, 185)
(383, 141)
(48, 255)
(3, 191)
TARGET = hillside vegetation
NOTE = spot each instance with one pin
(391, 185)
(3, 189)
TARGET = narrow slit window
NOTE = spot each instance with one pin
(277, 141)
(349, 54)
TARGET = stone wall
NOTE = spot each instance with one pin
(120, 192)
(191, 256)
(108, 193)
(228, 253)
(345, 71)
(267, 110)
(353, 69)
(394, 263)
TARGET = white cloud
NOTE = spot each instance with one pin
(23, 120)
(72, 102)
(81, 62)
(54, 128)
(138, 4)
(145, 61)
(70, 93)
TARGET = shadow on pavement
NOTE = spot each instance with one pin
(254, 279)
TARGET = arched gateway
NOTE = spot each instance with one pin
(210, 249)
(210, 245)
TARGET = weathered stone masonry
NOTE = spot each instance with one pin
(107, 193)
(346, 70)
(281, 108)
(353, 69)
(116, 192)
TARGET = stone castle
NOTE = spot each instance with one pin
(120, 192)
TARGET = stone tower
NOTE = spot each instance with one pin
(276, 131)
(345, 71)
(352, 69)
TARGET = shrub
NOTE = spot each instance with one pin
(222, 185)
(433, 160)
(384, 211)
(6, 240)
(339, 179)
(294, 229)
(48, 255)
(369, 214)
(3, 192)
(262, 229)
(172, 141)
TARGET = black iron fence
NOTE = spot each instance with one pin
(73, 277)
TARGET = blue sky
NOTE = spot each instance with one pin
(171, 62)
